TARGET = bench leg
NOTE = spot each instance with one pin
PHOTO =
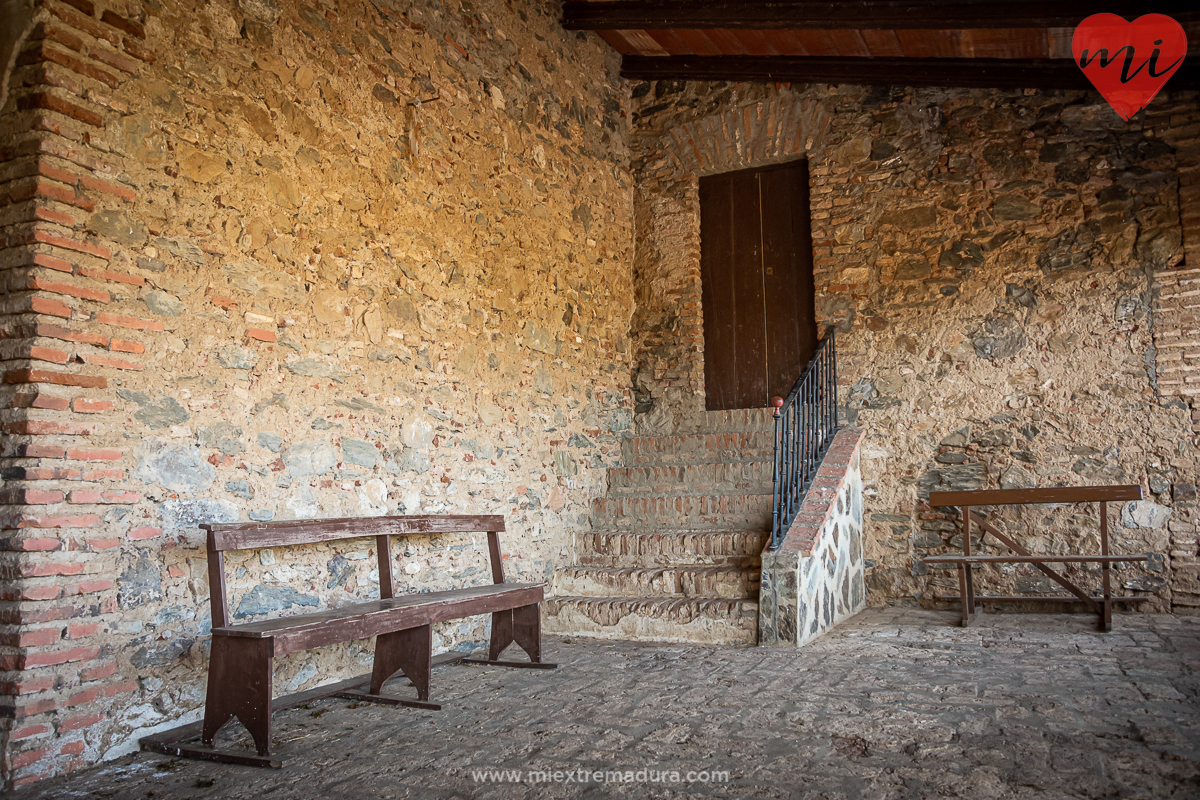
(1104, 624)
(1105, 621)
(964, 596)
(239, 685)
(520, 625)
(971, 608)
(410, 651)
(502, 633)
(527, 630)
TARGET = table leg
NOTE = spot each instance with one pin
(1105, 621)
(970, 606)
(964, 596)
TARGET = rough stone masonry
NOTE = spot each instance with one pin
(1013, 279)
(268, 260)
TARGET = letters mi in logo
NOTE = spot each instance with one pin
(1128, 62)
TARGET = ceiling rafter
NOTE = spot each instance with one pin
(855, 14)
(995, 73)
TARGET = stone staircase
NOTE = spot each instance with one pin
(673, 554)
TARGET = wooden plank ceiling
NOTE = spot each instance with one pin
(867, 43)
(919, 42)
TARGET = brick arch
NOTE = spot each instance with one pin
(669, 325)
(16, 24)
(778, 128)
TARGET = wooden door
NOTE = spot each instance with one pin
(756, 284)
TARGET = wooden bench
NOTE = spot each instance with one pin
(965, 501)
(240, 664)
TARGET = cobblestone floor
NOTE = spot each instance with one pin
(895, 703)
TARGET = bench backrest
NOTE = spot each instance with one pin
(286, 533)
(1063, 494)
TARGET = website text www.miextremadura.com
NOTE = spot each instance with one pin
(593, 776)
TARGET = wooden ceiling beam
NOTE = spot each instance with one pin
(855, 14)
(994, 73)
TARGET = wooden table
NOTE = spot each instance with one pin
(1101, 605)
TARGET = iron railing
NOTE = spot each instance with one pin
(805, 424)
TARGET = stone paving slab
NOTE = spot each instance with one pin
(895, 703)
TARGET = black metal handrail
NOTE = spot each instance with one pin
(805, 424)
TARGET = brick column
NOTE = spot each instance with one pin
(1176, 121)
(62, 340)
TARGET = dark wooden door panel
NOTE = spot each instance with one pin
(716, 290)
(756, 284)
(791, 328)
(749, 334)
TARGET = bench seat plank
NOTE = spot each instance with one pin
(1033, 559)
(1057, 494)
(375, 617)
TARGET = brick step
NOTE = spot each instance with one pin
(696, 581)
(646, 549)
(683, 512)
(698, 448)
(733, 420)
(751, 477)
(653, 619)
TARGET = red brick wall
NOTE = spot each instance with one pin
(63, 340)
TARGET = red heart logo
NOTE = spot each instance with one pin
(1128, 62)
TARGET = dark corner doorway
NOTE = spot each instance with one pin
(756, 284)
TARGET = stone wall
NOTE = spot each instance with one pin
(269, 260)
(1007, 274)
(814, 579)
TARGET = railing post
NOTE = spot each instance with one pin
(833, 383)
(775, 488)
(824, 427)
(804, 426)
(787, 465)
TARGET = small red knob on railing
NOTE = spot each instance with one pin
(778, 403)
